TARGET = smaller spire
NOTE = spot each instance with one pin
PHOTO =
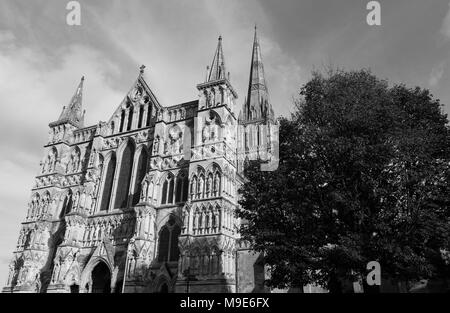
(217, 70)
(73, 112)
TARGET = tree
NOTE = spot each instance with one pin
(363, 175)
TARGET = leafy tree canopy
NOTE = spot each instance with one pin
(363, 175)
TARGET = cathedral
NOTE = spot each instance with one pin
(146, 201)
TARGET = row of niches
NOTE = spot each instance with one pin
(72, 165)
(58, 181)
(212, 130)
(36, 236)
(47, 207)
(205, 188)
(215, 96)
(171, 189)
(73, 161)
(210, 220)
(58, 133)
(70, 134)
(172, 115)
(93, 233)
(33, 238)
(40, 207)
(83, 135)
(207, 263)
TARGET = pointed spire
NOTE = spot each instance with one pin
(217, 70)
(257, 105)
(257, 69)
(73, 113)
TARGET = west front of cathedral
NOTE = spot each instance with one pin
(145, 202)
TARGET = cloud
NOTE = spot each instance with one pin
(6, 36)
(176, 58)
(284, 74)
(436, 74)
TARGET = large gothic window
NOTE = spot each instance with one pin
(178, 189)
(258, 140)
(124, 178)
(122, 120)
(168, 242)
(149, 115)
(164, 192)
(141, 115)
(141, 169)
(184, 194)
(130, 118)
(245, 139)
(107, 185)
(112, 127)
(181, 188)
(167, 190)
(164, 239)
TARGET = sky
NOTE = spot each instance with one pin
(42, 60)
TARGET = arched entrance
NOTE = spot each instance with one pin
(101, 279)
(74, 289)
(164, 288)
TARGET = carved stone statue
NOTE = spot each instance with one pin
(156, 145)
(144, 190)
(201, 182)
(205, 133)
(216, 184)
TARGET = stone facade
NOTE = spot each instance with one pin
(145, 201)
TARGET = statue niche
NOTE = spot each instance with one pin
(50, 161)
(210, 132)
(175, 140)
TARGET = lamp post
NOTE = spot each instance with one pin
(125, 272)
(187, 274)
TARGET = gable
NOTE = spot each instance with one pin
(139, 94)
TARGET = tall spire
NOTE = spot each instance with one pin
(257, 77)
(217, 70)
(257, 105)
(73, 112)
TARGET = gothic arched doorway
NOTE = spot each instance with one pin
(74, 289)
(164, 288)
(101, 279)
